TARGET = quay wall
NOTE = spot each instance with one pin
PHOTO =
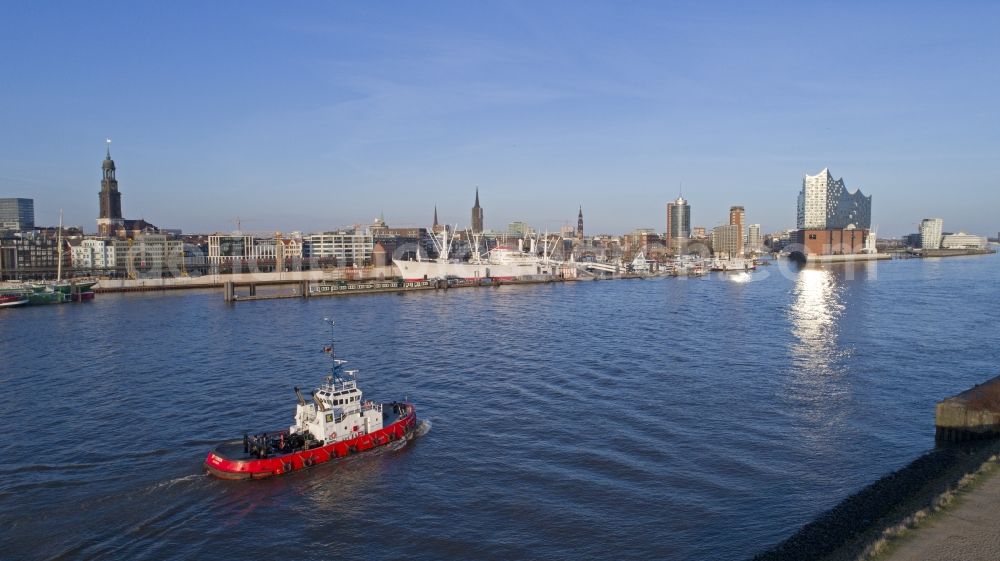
(952, 252)
(966, 424)
(218, 281)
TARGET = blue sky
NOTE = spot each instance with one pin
(312, 116)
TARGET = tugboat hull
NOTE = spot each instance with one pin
(225, 464)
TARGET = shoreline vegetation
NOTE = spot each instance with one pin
(867, 525)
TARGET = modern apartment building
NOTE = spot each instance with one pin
(930, 233)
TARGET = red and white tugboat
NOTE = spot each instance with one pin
(336, 423)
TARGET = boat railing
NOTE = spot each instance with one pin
(371, 406)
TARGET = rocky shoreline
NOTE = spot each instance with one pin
(844, 532)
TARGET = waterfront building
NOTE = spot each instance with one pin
(911, 240)
(646, 240)
(776, 241)
(961, 240)
(92, 255)
(930, 233)
(737, 217)
(579, 225)
(149, 256)
(288, 251)
(28, 256)
(404, 243)
(754, 240)
(567, 231)
(829, 241)
(825, 203)
(679, 224)
(698, 232)
(342, 248)
(727, 240)
(831, 220)
(477, 216)
(231, 252)
(17, 214)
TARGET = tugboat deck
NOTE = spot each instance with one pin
(234, 450)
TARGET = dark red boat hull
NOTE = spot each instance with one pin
(226, 468)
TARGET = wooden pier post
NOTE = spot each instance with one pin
(229, 290)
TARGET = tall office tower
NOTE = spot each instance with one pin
(737, 217)
(17, 214)
(678, 224)
(754, 240)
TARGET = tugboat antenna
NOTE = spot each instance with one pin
(333, 352)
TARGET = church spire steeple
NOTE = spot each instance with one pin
(110, 217)
(477, 215)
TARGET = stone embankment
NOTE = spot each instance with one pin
(965, 424)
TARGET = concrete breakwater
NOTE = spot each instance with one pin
(845, 532)
(345, 288)
(951, 252)
(971, 415)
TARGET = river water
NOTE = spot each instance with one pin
(641, 419)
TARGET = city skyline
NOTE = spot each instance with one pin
(334, 116)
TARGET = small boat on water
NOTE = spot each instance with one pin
(12, 299)
(47, 295)
(337, 422)
(69, 287)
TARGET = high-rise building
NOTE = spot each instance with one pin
(737, 217)
(477, 216)
(678, 224)
(517, 229)
(825, 204)
(579, 224)
(755, 241)
(110, 218)
(930, 233)
(726, 240)
(17, 215)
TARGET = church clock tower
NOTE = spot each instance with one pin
(110, 218)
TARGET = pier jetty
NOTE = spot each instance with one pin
(971, 415)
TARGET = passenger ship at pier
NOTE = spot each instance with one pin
(499, 263)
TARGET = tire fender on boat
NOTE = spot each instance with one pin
(286, 466)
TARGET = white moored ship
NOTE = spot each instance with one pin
(501, 263)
